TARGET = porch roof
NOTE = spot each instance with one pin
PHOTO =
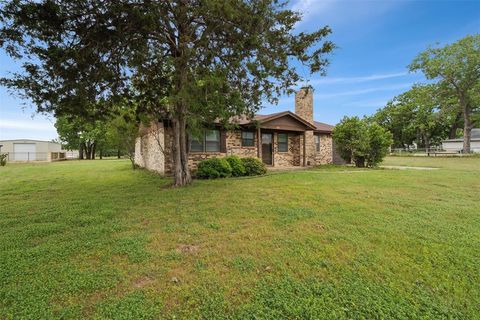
(285, 120)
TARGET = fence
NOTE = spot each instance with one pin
(427, 152)
(71, 155)
(41, 156)
(27, 156)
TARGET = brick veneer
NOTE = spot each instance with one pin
(148, 153)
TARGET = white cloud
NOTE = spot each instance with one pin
(368, 103)
(310, 8)
(357, 79)
(363, 91)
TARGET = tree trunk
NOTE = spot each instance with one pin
(118, 154)
(101, 154)
(94, 147)
(181, 173)
(180, 54)
(467, 126)
(360, 162)
(453, 129)
(131, 157)
(80, 151)
(467, 134)
(427, 142)
(88, 150)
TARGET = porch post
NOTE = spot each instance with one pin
(259, 143)
(304, 148)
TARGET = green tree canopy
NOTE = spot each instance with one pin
(122, 131)
(185, 61)
(362, 142)
(456, 68)
(79, 133)
(418, 115)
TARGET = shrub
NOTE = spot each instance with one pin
(214, 168)
(253, 166)
(379, 140)
(3, 159)
(238, 169)
(361, 142)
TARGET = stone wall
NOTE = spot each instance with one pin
(325, 156)
(152, 156)
(310, 148)
(290, 158)
(234, 147)
(304, 104)
(304, 108)
(149, 148)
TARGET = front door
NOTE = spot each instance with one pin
(267, 148)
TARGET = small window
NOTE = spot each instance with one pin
(208, 142)
(247, 139)
(317, 143)
(196, 145)
(212, 141)
(282, 142)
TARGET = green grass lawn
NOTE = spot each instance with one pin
(94, 239)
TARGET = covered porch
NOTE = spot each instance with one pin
(282, 140)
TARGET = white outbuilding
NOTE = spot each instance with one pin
(456, 145)
(33, 150)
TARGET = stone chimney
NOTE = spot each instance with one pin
(304, 103)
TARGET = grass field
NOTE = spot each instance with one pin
(94, 239)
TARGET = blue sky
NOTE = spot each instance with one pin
(376, 41)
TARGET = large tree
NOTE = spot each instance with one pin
(457, 69)
(188, 62)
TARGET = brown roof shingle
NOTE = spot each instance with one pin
(244, 120)
(323, 127)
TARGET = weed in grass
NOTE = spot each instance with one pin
(291, 215)
(131, 306)
(133, 247)
(242, 263)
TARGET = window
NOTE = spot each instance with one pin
(247, 139)
(317, 143)
(209, 142)
(196, 145)
(282, 142)
(212, 141)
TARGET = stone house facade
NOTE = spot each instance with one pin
(283, 139)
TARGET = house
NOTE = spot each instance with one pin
(283, 139)
(34, 150)
(456, 145)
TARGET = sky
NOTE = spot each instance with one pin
(376, 41)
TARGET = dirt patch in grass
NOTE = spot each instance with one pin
(143, 282)
(188, 248)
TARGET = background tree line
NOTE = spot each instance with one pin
(447, 107)
(426, 114)
(93, 136)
